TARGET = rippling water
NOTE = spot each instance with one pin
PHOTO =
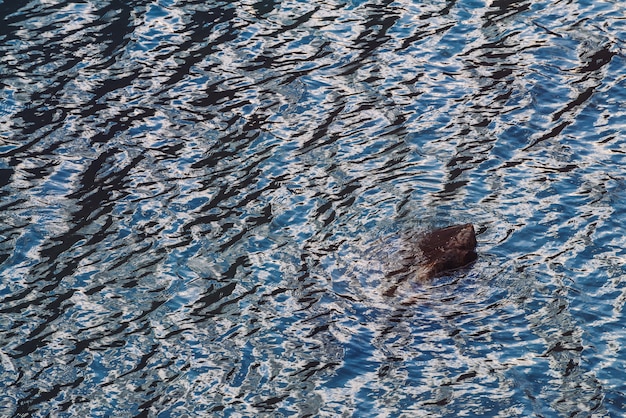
(202, 203)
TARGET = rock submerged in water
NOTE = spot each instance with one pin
(435, 253)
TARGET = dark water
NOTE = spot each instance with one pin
(202, 202)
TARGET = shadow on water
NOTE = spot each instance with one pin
(202, 205)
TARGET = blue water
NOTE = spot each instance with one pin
(202, 205)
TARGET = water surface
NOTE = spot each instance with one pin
(202, 203)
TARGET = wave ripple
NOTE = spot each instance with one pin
(202, 204)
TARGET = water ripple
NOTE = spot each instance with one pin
(204, 205)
